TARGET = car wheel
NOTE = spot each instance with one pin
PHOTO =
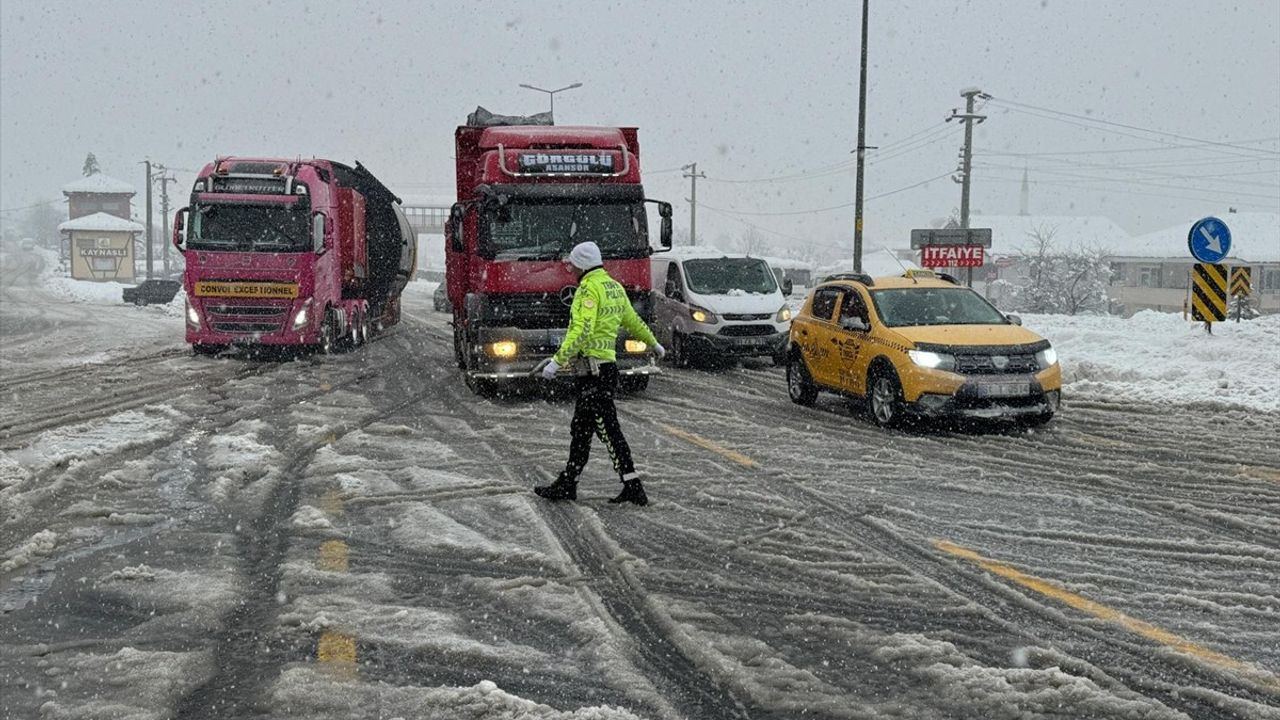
(800, 385)
(884, 398)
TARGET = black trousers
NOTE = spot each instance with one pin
(595, 414)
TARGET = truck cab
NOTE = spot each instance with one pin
(526, 195)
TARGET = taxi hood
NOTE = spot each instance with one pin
(968, 334)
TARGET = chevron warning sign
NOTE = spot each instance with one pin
(1240, 281)
(1209, 292)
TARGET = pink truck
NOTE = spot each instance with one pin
(306, 253)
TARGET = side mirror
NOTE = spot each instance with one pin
(854, 324)
(1016, 320)
(787, 287)
(671, 289)
(456, 215)
(179, 228)
(317, 232)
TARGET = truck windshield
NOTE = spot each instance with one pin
(526, 231)
(274, 228)
(729, 276)
(934, 306)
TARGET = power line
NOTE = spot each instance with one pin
(1100, 121)
(1161, 148)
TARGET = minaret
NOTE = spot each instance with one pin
(1025, 198)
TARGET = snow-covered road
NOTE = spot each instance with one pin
(352, 537)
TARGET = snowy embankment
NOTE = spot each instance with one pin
(90, 292)
(1161, 358)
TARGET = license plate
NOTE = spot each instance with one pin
(1004, 390)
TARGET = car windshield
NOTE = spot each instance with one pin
(899, 307)
(730, 276)
(275, 228)
(528, 231)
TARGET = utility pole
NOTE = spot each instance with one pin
(150, 262)
(966, 155)
(693, 175)
(164, 178)
(862, 146)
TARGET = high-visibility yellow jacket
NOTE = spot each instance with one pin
(600, 306)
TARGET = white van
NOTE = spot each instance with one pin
(713, 305)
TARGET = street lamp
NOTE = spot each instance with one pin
(552, 93)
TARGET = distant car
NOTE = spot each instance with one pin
(152, 291)
(27, 244)
(920, 344)
(440, 299)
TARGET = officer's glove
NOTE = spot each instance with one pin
(659, 352)
(550, 369)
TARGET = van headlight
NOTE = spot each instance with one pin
(702, 315)
(193, 317)
(1047, 358)
(932, 360)
(784, 315)
(303, 315)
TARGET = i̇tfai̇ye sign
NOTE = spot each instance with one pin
(951, 256)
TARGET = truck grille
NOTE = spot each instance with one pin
(245, 319)
(528, 311)
(747, 330)
(990, 364)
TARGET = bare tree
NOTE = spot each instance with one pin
(753, 242)
(1061, 280)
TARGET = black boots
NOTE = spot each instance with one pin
(632, 492)
(562, 489)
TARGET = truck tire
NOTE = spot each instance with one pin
(634, 383)
(353, 332)
(459, 343)
(329, 333)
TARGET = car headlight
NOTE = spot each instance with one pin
(1047, 358)
(702, 315)
(932, 360)
(303, 315)
(784, 315)
(635, 346)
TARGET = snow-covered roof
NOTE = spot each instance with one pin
(101, 222)
(98, 183)
(1255, 237)
(1009, 233)
(876, 262)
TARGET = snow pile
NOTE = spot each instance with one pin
(38, 545)
(133, 684)
(311, 692)
(311, 518)
(1160, 358)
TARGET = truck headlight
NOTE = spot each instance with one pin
(784, 315)
(702, 315)
(503, 349)
(932, 360)
(1047, 358)
(193, 317)
(303, 315)
(635, 346)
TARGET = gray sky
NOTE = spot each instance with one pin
(749, 90)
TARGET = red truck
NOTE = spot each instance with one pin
(528, 191)
(291, 253)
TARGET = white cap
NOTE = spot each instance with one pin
(585, 256)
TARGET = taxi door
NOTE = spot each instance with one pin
(815, 336)
(852, 337)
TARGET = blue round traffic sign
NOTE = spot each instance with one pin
(1209, 240)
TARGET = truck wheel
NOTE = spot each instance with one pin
(634, 383)
(458, 344)
(364, 326)
(884, 398)
(329, 333)
(800, 385)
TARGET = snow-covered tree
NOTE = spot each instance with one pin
(90, 165)
(1067, 280)
(753, 242)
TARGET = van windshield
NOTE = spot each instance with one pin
(730, 276)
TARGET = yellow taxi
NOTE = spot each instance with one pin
(919, 344)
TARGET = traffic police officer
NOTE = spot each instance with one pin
(600, 306)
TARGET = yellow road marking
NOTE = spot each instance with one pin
(708, 445)
(1098, 610)
(337, 652)
(1262, 473)
(331, 503)
(335, 556)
